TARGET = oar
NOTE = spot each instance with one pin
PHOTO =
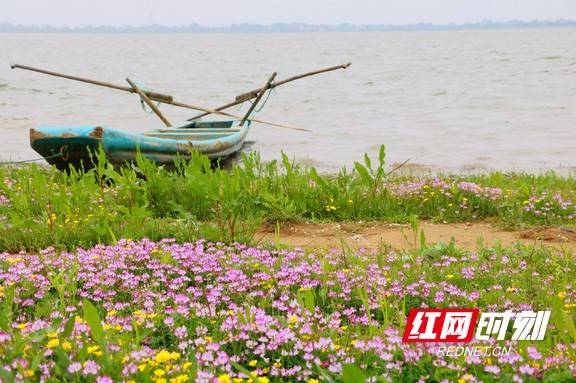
(254, 92)
(152, 95)
(166, 99)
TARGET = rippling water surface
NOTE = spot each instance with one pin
(449, 101)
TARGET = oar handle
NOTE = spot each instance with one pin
(254, 92)
(151, 95)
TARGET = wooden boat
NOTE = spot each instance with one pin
(71, 146)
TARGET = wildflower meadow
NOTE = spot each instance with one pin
(142, 274)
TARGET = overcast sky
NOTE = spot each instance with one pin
(225, 12)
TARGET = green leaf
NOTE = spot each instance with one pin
(6, 375)
(242, 369)
(309, 302)
(363, 172)
(114, 240)
(558, 376)
(367, 161)
(68, 327)
(91, 317)
(352, 374)
(382, 155)
(37, 359)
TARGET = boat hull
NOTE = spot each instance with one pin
(72, 146)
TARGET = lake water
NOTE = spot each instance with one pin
(447, 100)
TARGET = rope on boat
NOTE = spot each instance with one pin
(60, 154)
(142, 103)
(258, 110)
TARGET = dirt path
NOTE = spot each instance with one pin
(372, 235)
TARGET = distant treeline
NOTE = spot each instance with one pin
(283, 27)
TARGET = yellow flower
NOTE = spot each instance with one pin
(52, 334)
(52, 343)
(293, 319)
(28, 373)
(162, 356)
(22, 326)
(449, 276)
(51, 219)
(175, 355)
(224, 378)
(142, 367)
(237, 380)
(180, 379)
(159, 372)
(263, 379)
(562, 295)
(67, 346)
(92, 349)
(186, 365)
(253, 363)
(313, 381)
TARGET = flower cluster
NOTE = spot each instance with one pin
(428, 188)
(448, 199)
(170, 313)
(549, 206)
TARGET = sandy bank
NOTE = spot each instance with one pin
(372, 235)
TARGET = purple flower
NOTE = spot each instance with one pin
(533, 353)
(74, 367)
(181, 332)
(90, 368)
(4, 336)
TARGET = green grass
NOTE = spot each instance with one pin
(41, 207)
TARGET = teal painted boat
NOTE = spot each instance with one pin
(71, 146)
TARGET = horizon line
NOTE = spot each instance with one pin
(284, 27)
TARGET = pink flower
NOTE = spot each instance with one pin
(90, 368)
(74, 367)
